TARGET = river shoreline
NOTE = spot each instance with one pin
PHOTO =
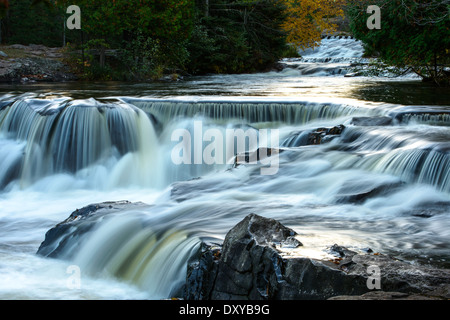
(33, 63)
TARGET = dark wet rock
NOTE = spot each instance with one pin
(66, 235)
(323, 135)
(261, 259)
(255, 156)
(371, 121)
(430, 209)
(313, 137)
(202, 271)
(247, 267)
(277, 67)
(358, 191)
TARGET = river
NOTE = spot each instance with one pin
(383, 186)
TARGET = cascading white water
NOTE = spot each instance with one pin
(153, 260)
(380, 186)
(251, 112)
(112, 142)
(335, 49)
(333, 57)
(415, 156)
(152, 255)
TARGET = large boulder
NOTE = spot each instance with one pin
(262, 259)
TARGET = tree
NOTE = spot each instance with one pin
(234, 36)
(308, 19)
(4, 6)
(414, 35)
(133, 25)
(34, 22)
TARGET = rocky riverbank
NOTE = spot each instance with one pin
(261, 259)
(33, 63)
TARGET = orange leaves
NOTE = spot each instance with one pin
(308, 19)
(4, 4)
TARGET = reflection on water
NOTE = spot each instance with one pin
(287, 83)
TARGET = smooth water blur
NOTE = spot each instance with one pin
(67, 145)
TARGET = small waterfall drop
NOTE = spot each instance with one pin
(296, 112)
(125, 247)
(92, 140)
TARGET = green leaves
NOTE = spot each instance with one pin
(413, 34)
(237, 36)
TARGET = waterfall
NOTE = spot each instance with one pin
(248, 111)
(334, 49)
(381, 182)
(118, 142)
(103, 144)
(433, 116)
(124, 247)
(333, 57)
(84, 137)
(416, 156)
(428, 166)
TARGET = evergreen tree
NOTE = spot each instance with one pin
(237, 36)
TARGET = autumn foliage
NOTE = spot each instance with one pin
(4, 5)
(149, 37)
(308, 19)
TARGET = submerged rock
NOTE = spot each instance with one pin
(371, 121)
(322, 135)
(60, 240)
(313, 137)
(261, 259)
(359, 190)
(255, 156)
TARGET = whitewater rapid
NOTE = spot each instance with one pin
(380, 186)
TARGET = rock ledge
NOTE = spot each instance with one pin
(253, 264)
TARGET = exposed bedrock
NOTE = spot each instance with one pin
(262, 259)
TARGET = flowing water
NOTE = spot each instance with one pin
(383, 186)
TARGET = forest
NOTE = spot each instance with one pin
(145, 39)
